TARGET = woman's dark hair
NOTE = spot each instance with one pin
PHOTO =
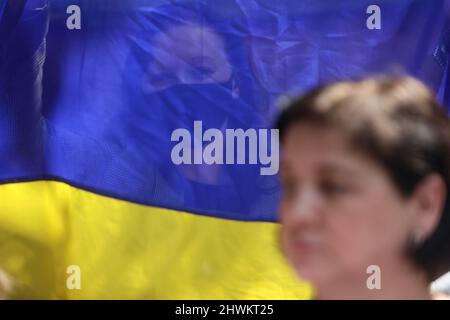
(399, 124)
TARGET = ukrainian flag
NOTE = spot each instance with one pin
(91, 92)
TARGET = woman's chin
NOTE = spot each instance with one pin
(310, 276)
(313, 272)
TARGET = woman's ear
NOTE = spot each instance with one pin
(430, 198)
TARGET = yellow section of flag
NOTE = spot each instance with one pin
(122, 250)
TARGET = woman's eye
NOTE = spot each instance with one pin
(333, 189)
(200, 72)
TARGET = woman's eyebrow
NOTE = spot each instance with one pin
(339, 169)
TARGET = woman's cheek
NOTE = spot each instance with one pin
(348, 228)
(285, 211)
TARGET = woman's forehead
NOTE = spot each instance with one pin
(327, 150)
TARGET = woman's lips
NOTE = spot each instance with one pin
(304, 245)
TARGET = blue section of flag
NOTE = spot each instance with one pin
(2, 7)
(96, 106)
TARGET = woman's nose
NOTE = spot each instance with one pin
(306, 207)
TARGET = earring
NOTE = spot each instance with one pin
(417, 239)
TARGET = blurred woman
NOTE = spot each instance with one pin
(365, 169)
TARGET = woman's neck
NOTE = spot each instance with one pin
(403, 282)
